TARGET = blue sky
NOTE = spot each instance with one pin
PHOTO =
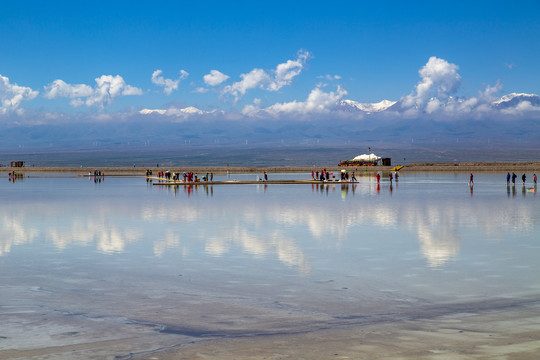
(328, 51)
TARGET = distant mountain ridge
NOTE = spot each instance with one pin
(190, 110)
(504, 102)
(514, 99)
(345, 105)
(351, 106)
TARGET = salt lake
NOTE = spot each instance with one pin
(121, 268)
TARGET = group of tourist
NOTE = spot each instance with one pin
(186, 177)
(523, 178)
(345, 176)
(324, 175)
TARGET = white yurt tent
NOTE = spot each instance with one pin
(370, 157)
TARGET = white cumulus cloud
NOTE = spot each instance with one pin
(168, 84)
(107, 88)
(521, 108)
(436, 95)
(59, 88)
(12, 95)
(255, 78)
(272, 80)
(252, 109)
(317, 102)
(215, 78)
(488, 95)
(440, 79)
(286, 71)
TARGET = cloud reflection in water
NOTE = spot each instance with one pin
(278, 229)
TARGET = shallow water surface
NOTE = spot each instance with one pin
(122, 258)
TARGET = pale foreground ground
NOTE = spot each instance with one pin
(507, 332)
(510, 335)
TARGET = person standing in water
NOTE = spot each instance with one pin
(471, 180)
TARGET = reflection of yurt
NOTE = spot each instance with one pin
(361, 160)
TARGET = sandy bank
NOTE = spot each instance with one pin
(418, 167)
(475, 167)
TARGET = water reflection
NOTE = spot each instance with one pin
(169, 241)
(259, 223)
(15, 230)
(188, 190)
(29, 224)
(524, 190)
(284, 247)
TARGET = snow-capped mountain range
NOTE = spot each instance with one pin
(190, 110)
(352, 106)
(514, 99)
(508, 101)
(504, 102)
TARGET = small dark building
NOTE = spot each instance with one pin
(17, 164)
(386, 162)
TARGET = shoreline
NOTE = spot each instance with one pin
(414, 167)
